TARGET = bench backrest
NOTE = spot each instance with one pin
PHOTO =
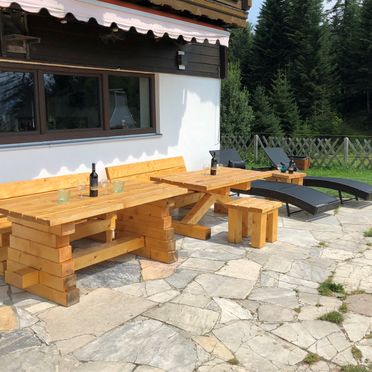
(41, 185)
(142, 171)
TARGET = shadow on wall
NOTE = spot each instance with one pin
(187, 110)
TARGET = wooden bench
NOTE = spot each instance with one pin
(257, 218)
(28, 188)
(142, 171)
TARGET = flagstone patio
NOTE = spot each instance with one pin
(220, 308)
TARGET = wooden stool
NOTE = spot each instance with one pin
(253, 217)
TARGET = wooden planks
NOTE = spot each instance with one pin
(22, 278)
(296, 178)
(257, 218)
(154, 223)
(90, 256)
(226, 177)
(192, 230)
(44, 209)
(144, 170)
(42, 185)
(199, 209)
(235, 225)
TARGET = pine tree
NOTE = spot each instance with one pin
(236, 113)
(266, 122)
(344, 18)
(364, 52)
(310, 70)
(240, 50)
(284, 105)
(271, 45)
(324, 120)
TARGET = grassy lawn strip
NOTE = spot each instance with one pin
(354, 174)
(363, 175)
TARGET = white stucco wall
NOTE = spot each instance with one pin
(188, 111)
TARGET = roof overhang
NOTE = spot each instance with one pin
(126, 16)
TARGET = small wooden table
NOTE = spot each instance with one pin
(40, 258)
(213, 188)
(296, 178)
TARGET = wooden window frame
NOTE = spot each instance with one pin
(42, 133)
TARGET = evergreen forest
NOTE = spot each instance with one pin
(301, 71)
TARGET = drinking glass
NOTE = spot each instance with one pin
(104, 186)
(81, 191)
(63, 196)
(118, 186)
(206, 168)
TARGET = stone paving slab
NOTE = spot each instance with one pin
(96, 313)
(144, 341)
(223, 286)
(194, 320)
(220, 308)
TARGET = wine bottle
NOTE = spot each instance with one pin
(93, 182)
(213, 165)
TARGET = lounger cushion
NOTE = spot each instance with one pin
(312, 201)
(236, 164)
(360, 189)
(224, 156)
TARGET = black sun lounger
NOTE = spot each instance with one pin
(305, 198)
(358, 189)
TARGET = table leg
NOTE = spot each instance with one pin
(40, 261)
(4, 244)
(154, 222)
(298, 181)
(188, 225)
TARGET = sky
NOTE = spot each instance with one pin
(255, 10)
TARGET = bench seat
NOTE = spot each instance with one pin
(11, 190)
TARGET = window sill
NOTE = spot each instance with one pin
(78, 141)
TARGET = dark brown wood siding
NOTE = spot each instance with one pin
(88, 44)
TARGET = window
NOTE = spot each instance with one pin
(17, 102)
(49, 104)
(129, 102)
(72, 102)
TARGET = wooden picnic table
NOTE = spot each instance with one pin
(40, 258)
(214, 189)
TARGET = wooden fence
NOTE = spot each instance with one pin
(324, 152)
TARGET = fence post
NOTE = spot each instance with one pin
(346, 151)
(255, 141)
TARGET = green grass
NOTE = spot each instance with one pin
(233, 361)
(333, 317)
(322, 244)
(357, 354)
(362, 175)
(311, 358)
(351, 368)
(328, 288)
(368, 233)
(343, 308)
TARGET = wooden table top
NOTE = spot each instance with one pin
(288, 176)
(43, 208)
(200, 181)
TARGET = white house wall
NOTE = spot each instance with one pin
(188, 111)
